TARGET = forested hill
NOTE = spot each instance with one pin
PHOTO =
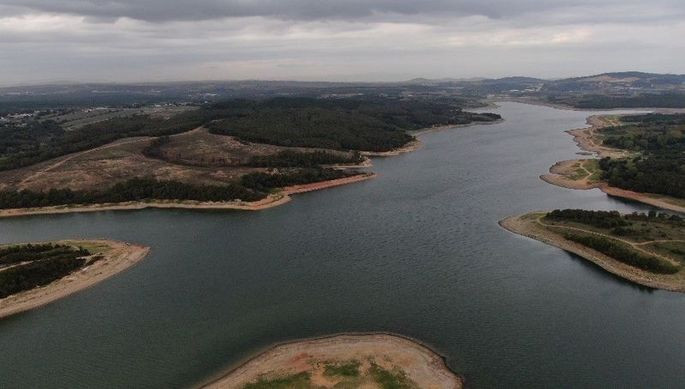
(659, 163)
(367, 125)
(376, 124)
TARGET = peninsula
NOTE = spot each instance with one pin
(35, 274)
(647, 249)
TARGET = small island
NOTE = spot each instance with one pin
(647, 249)
(35, 274)
(343, 361)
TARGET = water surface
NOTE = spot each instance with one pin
(416, 251)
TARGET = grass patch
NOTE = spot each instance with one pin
(675, 250)
(396, 379)
(623, 252)
(345, 369)
(295, 381)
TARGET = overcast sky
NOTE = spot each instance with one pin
(365, 40)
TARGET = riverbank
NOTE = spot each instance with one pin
(565, 173)
(315, 357)
(275, 199)
(529, 225)
(117, 257)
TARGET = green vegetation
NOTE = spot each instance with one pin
(662, 100)
(264, 182)
(30, 252)
(659, 166)
(30, 266)
(295, 381)
(137, 189)
(252, 187)
(288, 158)
(646, 241)
(345, 369)
(340, 124)
(623, 252)
(374, 124)
(396, 379)
(42, 140)
(601, 219)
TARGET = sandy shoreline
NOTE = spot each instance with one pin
(420, 363)
(270, 201)
(585, 139)
(118, 256)
(527, 225)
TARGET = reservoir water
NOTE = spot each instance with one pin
(416, 251)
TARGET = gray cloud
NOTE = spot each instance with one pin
(177, 10)
(146, 40)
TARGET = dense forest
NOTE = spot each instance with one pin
(289, 158)
(340, 124)
(264, 182)
(37, 265)
(658, 174)
(137, 189)
(374, 124)
(660, 165)
(601, 219)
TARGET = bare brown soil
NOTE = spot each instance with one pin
(195, 157)
(118, 256)
(529, 225)
(420, 364)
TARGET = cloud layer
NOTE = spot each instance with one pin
(43, 40)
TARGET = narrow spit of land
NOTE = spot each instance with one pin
(99, 260)
(343, 361)
(649, 251)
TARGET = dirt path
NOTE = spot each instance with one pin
(118, 256)
(631, 244)
(76, 155)
(421, 365)
(526, 225)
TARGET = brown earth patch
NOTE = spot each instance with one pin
(421, 365)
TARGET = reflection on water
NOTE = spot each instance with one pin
(416, 251)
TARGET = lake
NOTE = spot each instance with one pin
(416, 251)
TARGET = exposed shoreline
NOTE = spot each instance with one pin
(342, 346)
(527, 225)
(584, 138)
(273, 200)
(118, 257)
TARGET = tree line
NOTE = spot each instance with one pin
(46, 263)
(623, 253)
(660, 166)
(251, 187)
